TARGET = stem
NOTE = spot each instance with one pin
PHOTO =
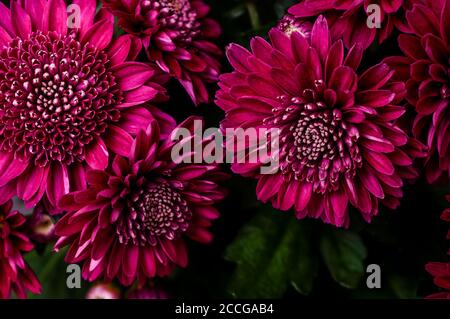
(253, 13)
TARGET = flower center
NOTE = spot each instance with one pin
(156, 212)
(175, 5)
(56, 97)
(315, 134)
(289, 24)
(316, 144)
(176, 15)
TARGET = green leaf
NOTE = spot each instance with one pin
(271, 252)
(404, 287)
(236, 12)
(344, 253)
(50, 269)
(281, 7)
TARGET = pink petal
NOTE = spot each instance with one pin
(30, 183)
(375, 98)
(371, 183)
(300, 46)
(35, 9)
(148, 262)
(118, 140)
(320, 37)
(5, 38)
(445, 22)
(55, 17)
(334, 59)
(422, 20)
(58, 183)
(135, 119)
(304, 193)
(280, 41)
(164, 42)
(138, 96)
(14, 169)
(118, 51)
(268, 186)
(88, 8)
(97, 155)
(130, 260)
(5, 21)
(375, 77)
(7, 192)
(99, 34)
(21, 21)
(101, 246)
(343, 79)
(379, 162)
(411, 46)
(132, 75)
(237, 56)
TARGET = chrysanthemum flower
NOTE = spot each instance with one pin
(67, 97)
(40, 226)
(425, 69)
(132, 221)
(289, 24)
(349, 18)
(103, 291)
(441, 273)
(149, 292)
(15, 274)
(178, 36)
(339, 143)
(439, 270)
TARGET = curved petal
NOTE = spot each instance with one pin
(97, 155)
(118, 140)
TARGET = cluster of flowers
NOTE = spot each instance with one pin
(348, 136)
(82, 139)
(440, 270)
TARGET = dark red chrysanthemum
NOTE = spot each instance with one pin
(339, 141)
(349, 18)
(441, 271)
(103, 291)
(132, 221)
(67, 97)
(289, 24)
(15, 275)
(148, 292)
(177, 35)
(426, 70)
(40, 226)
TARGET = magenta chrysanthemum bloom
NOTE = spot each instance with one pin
(132, 221)
(441, 273)
(178, 36)
(67, 97)
(439, 270)
(348, 18)
(289, 24)
(339, 143)
(103, 291)
(425, 69)
(40, 226)
(149, 292)
(15, 274)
